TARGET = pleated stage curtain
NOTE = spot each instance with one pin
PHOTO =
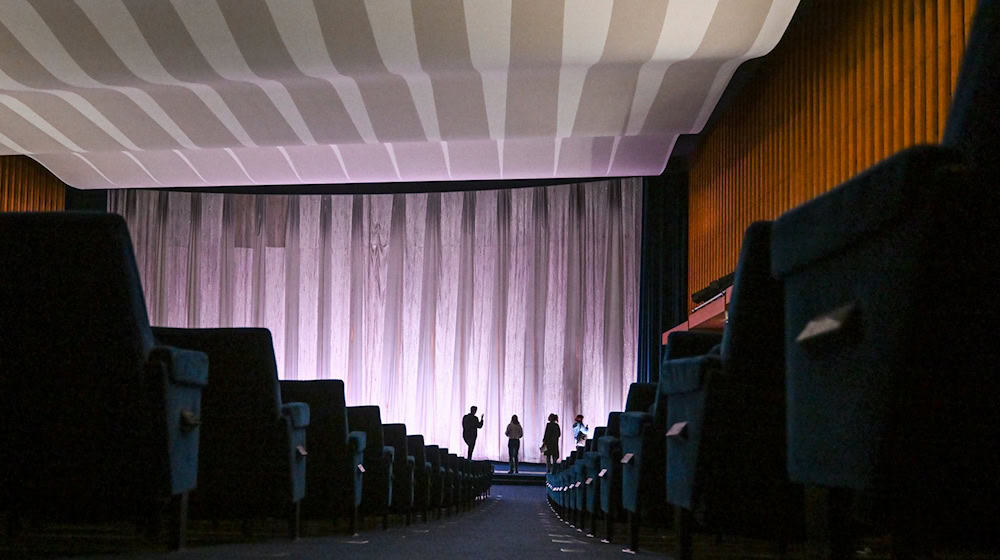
(520, 301)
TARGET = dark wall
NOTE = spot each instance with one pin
(663, 275)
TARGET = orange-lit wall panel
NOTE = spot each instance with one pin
(852, 81)
(27, 186)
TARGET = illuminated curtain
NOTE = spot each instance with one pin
(519, 301)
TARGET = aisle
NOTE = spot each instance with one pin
(515, 522)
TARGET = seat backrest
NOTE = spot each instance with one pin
(752, 344)
(75, 338)
(72, 301)
(599, 432)
(973, 124)
(433, 456)
(367, 419)
(243, 374)
(327, 414)
(641, 397)
(614, 428)
(415, 447)
(395, 436)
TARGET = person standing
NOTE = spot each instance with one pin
(550, 441)
(514, 434)
(470, 429)
(580, 431)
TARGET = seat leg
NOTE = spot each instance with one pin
(353, 523)
(609, 527)
(839, 522)
(178, 521)
(685, 530)
(385, 521)
(294, 521)
(633, 531)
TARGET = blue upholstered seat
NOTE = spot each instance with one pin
(334, 480)
(377, 493)
(249, 438)
(437, 478)
(421, 473)
(726, 413)
(99, 421)
(890, 324)
(641, 434)
(402, 469)
(592, 467)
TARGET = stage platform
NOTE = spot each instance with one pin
(529, 474)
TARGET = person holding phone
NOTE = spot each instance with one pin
(470, 429)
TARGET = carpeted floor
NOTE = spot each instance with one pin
(515, 523)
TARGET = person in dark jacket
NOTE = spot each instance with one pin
(470, 429)
(550, 442)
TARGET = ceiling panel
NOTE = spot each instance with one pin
(154, 93)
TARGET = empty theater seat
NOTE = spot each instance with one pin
(402, 469)
(99, 421)
(726, 414)
(249, 438)
(334, 481)
(421, 473)
(890, 326)
(643, 458)
(376, 495)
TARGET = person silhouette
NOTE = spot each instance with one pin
(470, 429)
(514, 434)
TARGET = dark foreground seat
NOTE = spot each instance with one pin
(334, 479)
(99, 421)
(421, 473)
(253, 447)
(726, 415)
(891, 338)
(376, 496)
(402, 470)
(643, 459)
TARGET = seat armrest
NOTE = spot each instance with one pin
(297, 412)
(683, 344)
(184, 367)
(356, 442)
(427, 466)
(388, 454)
(411, 461)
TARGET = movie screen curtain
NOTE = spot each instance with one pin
(521, 301)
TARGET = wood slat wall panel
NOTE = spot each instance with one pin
(27, 186)
(852, 82)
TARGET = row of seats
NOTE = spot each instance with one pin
(108, 418)
(859, 357)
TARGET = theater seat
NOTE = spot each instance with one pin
(421, 473)
(333, 480)
(437, 478)
(891, 327)
(726, 414)
(644, 459)
(249, 438)
(402, 469)
(376, 495)
(99, 421)
(592, 482)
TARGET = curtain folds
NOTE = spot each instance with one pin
(519, 301)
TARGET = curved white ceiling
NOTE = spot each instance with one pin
(151, 93)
